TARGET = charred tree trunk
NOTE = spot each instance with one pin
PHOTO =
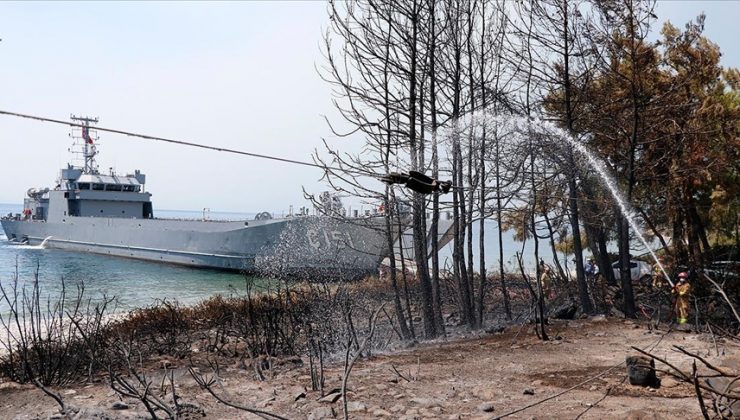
(420, 253)
(605, 263)
(499, 222)
(577, 245)
(458, 255)
(470, 158)
(540, 275)
(699, 231)
(434, 228)
(572, 187)
(404, 277)
(458, 196)
(624, 266)
(405, 332)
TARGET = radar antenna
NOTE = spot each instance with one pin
(85, 139)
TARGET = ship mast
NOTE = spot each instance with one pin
(88, 137)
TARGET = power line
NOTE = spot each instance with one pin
(325, 168)
(173, 141)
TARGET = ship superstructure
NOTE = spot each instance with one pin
(82, 191)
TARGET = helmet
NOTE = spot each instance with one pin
(683, 275)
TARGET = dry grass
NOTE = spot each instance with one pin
(61, 347)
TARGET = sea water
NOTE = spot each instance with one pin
(134, 283)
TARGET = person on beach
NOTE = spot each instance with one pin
(682, 289)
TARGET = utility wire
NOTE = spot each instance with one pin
(179, 142)
(325, 168)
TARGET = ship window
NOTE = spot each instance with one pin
(128, 188)
(83, 186)
(137, 188)
(113, 187)
(98, 187)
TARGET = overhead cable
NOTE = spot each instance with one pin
(163, 139)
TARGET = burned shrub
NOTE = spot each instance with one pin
(50, 341)
(164, 328)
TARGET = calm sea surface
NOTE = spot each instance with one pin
(139, 283)
(134, 283)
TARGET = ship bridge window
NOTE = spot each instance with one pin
(113, 187)
(98, 187)
(128, 188)
(83, 186)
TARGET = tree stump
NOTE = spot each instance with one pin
(641, 371)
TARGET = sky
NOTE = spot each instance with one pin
(239, 75)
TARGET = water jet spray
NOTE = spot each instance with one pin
(523, 125)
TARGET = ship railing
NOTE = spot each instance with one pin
(199, 219)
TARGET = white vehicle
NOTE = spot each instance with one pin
(639, 270)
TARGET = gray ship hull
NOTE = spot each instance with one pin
(299, 245)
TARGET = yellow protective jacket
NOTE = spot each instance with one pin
(682, 290)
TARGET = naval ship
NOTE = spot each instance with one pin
(112, 214)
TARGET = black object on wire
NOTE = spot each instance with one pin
(417, 181)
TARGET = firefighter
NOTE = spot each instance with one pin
(658, 273)
(591, 270)
(682, 290)
(545, 279)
